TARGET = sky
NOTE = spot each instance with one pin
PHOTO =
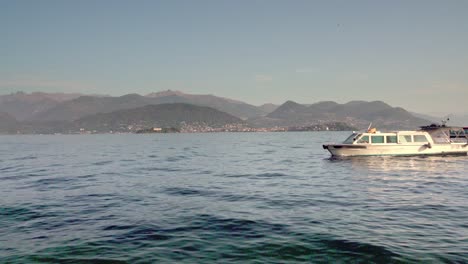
(412, 54)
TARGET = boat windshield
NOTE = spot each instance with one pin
(351, 138)
(458, 135)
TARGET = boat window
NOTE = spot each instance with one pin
(440, 137)
(453, 133)
(458, 133)
(351, 139)
(420, 138)
(391, 139)
(405, 139)
(377, 139)
(363, 139)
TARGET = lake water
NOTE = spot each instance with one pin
(225, 197)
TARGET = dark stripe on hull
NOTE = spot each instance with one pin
(338, 150)
(408, 155)
(344, 146)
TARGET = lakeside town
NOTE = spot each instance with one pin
(201, 128)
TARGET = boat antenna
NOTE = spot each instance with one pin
(369, 126)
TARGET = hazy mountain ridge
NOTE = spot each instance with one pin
(233, 107)
(88, 105)
(8, 124)
(46, 111)
(191, 96)
(161, 115)
(128, 120)
(268, 108)
(37, 96)
(23, 106)
(356, 113)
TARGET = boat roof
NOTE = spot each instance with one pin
(393, 132)
(433, 127)
(430, 128)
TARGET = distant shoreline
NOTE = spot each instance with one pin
(133, 133)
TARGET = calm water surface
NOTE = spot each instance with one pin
(228, 197)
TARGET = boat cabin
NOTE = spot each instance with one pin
(401, 137)
(427, 134)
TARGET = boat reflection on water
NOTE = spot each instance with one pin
(399, 165)
(404, 183)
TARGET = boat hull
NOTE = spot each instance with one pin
(396, 150)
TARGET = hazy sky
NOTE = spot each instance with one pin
(412, 54)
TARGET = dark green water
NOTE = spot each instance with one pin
(221, 198)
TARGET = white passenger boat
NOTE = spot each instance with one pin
(429, 140)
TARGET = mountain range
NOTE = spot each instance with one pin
(38, 107)
(8, 124)
(185, 117)
(58, 112)
(23, 106)
(177, 115)
(356, 113)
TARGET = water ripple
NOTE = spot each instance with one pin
(225, 197)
